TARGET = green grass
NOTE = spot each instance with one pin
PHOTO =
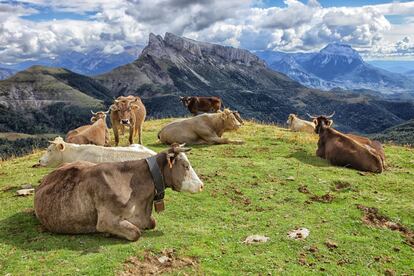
(247, 192)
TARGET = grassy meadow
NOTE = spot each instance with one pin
(272, 184)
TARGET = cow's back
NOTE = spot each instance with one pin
(377, 146)
(342, 150)
(184, 130)
(62, 201)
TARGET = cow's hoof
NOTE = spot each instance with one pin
(238, 142)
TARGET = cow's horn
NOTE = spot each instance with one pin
(330, 116)
(310, 116)
(109, 109)
(93, 113)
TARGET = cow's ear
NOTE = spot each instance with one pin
(60, 146)
(315, 122)
(330, 122)
(113, 107)
(171, 159)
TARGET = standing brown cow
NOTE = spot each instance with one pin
(128, 111)
(342, 150)
(201, 104)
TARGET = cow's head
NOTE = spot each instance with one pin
(231, 119)
(179, 175)
(322, 122)
(290, 118)
(98, 115)
(54, 153)
(185, 100)
(124, 106)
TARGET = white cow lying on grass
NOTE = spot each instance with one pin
(60, 152)
(297, 124)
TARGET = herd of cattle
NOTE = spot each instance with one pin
(98, 188)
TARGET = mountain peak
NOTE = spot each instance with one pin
(172, 46)
(340, 49)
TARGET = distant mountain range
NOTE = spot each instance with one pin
(336, 66)
(5, 73)
(90, 63)
(44, 99)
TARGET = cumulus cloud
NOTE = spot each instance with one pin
(115, 24)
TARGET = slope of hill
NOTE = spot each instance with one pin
(399, 134)
(337, 65)
(43, 99)
(256, 188)
(173, 66)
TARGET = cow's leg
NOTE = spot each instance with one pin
(219, 140)
(131, 134)
(212, 139)
(140, 134)
(116, 134)
(110, 223)
(321, 152)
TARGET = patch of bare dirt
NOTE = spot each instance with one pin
(165, 262)
(340, 186)
(373, 217)
(331, 244)
(326, 198)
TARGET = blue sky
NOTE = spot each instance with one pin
(34, 29)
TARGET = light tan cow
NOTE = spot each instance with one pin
(202, 129)
(96, 134)
(297, 124)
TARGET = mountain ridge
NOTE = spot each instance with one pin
(337, 65)
(44, 99)
(174, 66)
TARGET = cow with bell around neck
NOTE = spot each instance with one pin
(114, 198)
(342, 150)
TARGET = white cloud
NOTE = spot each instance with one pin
(238, 23)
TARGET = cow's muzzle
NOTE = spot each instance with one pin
(125, 122)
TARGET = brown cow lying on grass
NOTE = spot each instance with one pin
(347, 150)
(96, 134)
(198, 104)
(128, 111)
(202, 129)
(115, 198)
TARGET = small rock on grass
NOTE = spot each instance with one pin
(27, 186)
(256, 239)
(290, 178)
(163, 259)
(24, 192)
(298, 234)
